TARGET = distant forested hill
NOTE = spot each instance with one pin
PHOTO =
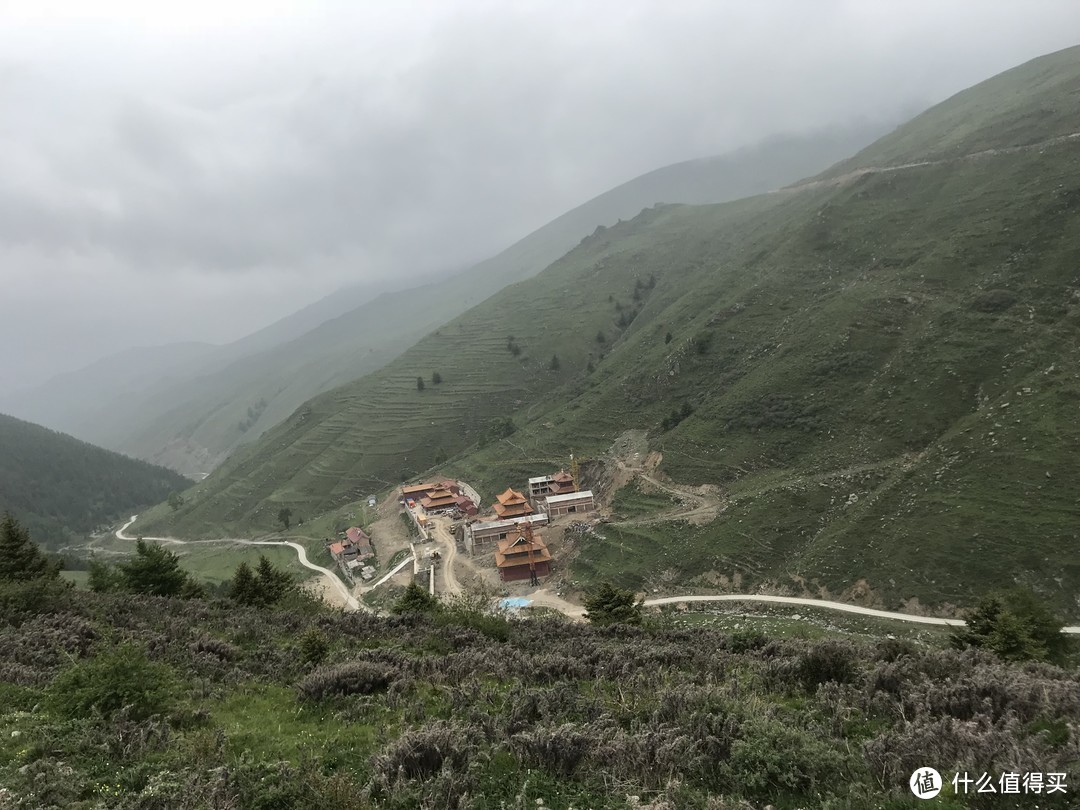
(59, 486)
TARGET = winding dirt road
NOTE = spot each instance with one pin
(545, 598)
(332, 579)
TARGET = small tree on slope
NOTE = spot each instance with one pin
(611, 605)
(20, 558)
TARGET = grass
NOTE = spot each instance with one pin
(632, 501)
(883, 374)
(208, 562)
(297, 733)
(79, 578)
(215, 564)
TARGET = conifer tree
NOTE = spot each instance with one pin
(272, 583)
(415, 600)
(20, 558)
(154, 570)
(104, 578)
(284, 517)
(611, 605)
(244, 588)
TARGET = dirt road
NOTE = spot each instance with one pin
(543, 598)
(332, 579)
(445, 538)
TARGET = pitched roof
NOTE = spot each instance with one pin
(514, 550)
(357, 535)
(517, 509)
(562, 476)
(511, 496)
(336, 548)
(439, 497)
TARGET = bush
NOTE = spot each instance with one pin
(826, 661)
(20, 600)
(313, 647)
(123, 678)
(422, 753)
(353, 678)
(773, 758)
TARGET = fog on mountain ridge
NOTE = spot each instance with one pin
(194, 174)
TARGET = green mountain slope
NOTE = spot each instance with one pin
(58, 486)
(192, 419)
(881, 368)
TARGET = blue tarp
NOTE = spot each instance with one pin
(514, 602)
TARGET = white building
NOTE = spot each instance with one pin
(539, 487)
(570, 503)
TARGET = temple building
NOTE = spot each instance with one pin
(562, 483)
(523, 556)
(512, 504)
(438, 500)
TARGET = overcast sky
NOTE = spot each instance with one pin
(194, 170)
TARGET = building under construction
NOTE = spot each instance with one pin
(523, 556)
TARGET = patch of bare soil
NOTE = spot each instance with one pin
(321, 587)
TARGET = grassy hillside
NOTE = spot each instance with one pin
(880, 373)
(193, 419)
(143, 702)
(1036, 103)
(59, 486)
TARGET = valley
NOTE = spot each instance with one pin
(748, 484)
(822, 373)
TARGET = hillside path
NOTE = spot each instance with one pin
(855, 174)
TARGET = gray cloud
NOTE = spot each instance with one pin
(196, 173)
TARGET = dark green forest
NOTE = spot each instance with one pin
(60, 487)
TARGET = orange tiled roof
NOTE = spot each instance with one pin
(514, 551)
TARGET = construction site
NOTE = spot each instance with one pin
(512, 545)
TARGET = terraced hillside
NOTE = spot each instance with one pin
(879, 368)
(192, 418)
